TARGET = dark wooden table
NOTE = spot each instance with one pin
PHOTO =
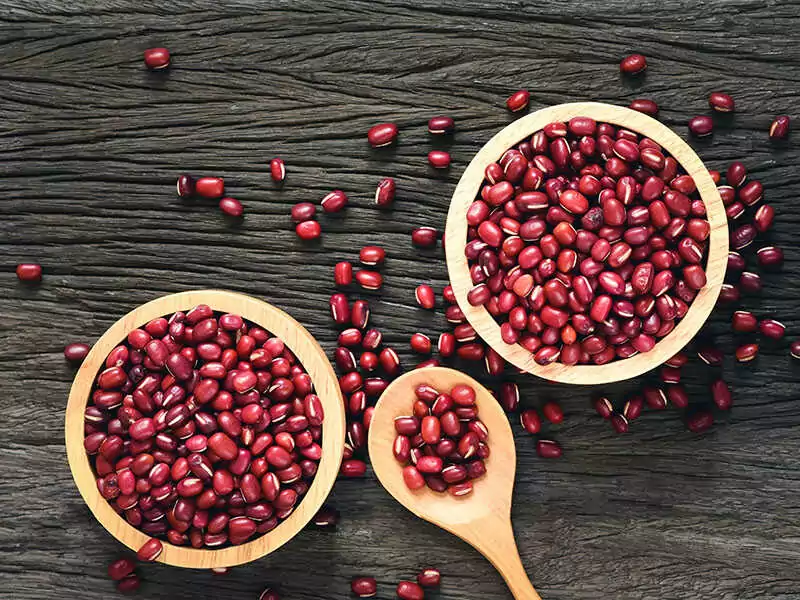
(92, 144)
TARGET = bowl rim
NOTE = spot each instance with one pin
(618, 370)
(309, 353)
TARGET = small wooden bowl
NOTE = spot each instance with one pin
(308, 352)
(484, 323)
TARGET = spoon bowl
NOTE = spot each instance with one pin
(482, 518)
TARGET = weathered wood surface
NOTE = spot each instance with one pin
(92, 145)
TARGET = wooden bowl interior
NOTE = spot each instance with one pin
(308, 352)
(483, 322)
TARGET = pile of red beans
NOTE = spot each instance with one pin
(203, 429)
(443, 444)
(587, 243)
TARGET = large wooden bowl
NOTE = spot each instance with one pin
(308, 352)
(484, 323)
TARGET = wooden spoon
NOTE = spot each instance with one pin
(482, 518)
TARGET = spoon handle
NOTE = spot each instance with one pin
(500, 548)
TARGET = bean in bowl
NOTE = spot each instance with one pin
(587, 243)
(203, 429)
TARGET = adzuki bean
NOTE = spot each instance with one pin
(383, 134)
(29, 272)
(231, 207)
(518, 100)
(441, 125)
(779, 129)
(277, 170)
(364, 587)
(721, 102)
(76, 351)
(633, 64)
(156, 58)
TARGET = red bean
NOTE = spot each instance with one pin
(424, 237)
(383, 134)
(121, 568)
(343, 273)
(772, 329)
(441, 125)
(353, 468)
(548, 449)
(334, 201)
(642, 105)
(429, 578)
(439, 159)
(308, 230)
(763, 218)
(779, 129)
(156, 58)
(210, 187)
(770, 257)
(736, 174)
(744, 322)
(701, 126)
(633, 408)
(633, 64)
(150, 550)
(721, 395)
(277, 170)
(76, 351)
(700, 421)
(721, 102)
(751, 193)
(303, 211)
(364, 587)
(425, 296)
(420, 343)
(408, 590)
(29, 272)
(326, 517)
(619, 423)
(413, 478)
(746, 352)
(385, 192)
(231, 207)
(530, 421)
(518, 100)
(184, 186)
(129, 584)
(372, 255)
(603, 407)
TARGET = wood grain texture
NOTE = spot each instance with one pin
(488, 328)
(91, 148)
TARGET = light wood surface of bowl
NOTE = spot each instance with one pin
(699, 310)
(310, 355)
(482, 518)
